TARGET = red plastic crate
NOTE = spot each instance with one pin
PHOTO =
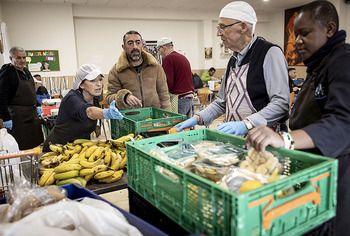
(47, 109)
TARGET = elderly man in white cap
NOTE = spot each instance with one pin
(79, 109)
(179, 77)
(254, 90)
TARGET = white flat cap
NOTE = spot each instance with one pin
(241, 11)
(164, 41)
(37, 81)
(87, 71)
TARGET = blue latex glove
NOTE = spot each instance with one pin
(8, 124)
(39, 110)
(185, 124)
(233, 127)
(112, 112)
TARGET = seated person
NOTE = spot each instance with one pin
(41, 92)
(206, 76)
(197, 82)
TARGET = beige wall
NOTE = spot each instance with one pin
(94, 34)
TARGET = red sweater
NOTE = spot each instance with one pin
(178, 72)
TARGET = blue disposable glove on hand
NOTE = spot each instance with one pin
(112, 112)
(233, 127)
(185, 124)
(8, 124)
(39, 110)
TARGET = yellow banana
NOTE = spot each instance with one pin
(54, 161)
(50, 180)
(46, 163)
(83, 151)
(118, 143)
(113, 178)
(49, 154)
(88, 177)
(71, 152)
(47, 158)
(108, 156)
(43, 169)
(123, 163)
(56, 148)
(116, 161)
(68, 181)
(90, 151)
(100, 168)
(97, 154)
(82, 181)
(87, 164)
(66, 175)
(126, 138)
(75, 156)
(104, 143)
(67, 167)
(81, 141)
(89, 144)
(85, 172)
(61, 158)
(104, 174)
(74, 161)
(69, 146)
(44, 177)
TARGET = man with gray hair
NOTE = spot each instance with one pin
(179, 77)
(18, 101)
(255, 89)
(137, 79)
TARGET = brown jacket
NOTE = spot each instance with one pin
(150, 86)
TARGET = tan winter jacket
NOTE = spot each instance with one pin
(150, 86)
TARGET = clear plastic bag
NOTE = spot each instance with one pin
(183, 155)
(211, 171)
(24, 199)
(225, 154)
(261, 166)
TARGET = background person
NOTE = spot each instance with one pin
(41, 91)
(46, 66)
(179, 75)
(320, 117)
(206, 76)
(79, 109)
(137, 79)
(254, 90)
(18, 101)
(197, 81)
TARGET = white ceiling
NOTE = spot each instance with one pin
(215, 5)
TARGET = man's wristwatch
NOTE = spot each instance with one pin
(248, 124)
(199, 119)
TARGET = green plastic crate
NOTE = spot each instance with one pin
(200, 206)
(134, 121)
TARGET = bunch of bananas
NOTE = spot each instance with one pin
(82, 160)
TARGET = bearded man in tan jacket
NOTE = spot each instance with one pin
(137, 79)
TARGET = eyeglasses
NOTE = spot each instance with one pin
(222, 27)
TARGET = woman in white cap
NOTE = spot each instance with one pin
(79, 109)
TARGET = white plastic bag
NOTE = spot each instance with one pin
(7, 141)
(72, 218)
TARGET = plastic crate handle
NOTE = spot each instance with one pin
(150, 126)
(268, 216)
(35, 151)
